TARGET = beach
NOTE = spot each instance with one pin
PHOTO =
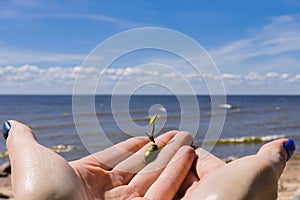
(250, 122)
(288, 184)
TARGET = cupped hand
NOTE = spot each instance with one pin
(119, 172)
(252, 177)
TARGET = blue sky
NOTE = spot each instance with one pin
(255, 44)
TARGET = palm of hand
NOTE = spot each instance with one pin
(121, 172)
(252, 177)
(115, 173)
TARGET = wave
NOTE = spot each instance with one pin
(245, 140)
(289, 126)
(146, 118)
(225, 106)
(62, 148)
(250, 139)
(265, 110)
(4, 154)
(44, 118)
(48, 126)
(109, 113)
(50, 117)
(56, 148)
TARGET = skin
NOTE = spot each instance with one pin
(121, 172)
(253, 177)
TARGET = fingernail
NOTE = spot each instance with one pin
(5, 129)
(290, 148)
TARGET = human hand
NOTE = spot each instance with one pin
(253, 177)
(119, 172)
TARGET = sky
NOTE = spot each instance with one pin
(254, 44)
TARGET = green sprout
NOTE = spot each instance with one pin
(151, 153)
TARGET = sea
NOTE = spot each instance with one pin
(250, 121)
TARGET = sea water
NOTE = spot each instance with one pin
(250, 121)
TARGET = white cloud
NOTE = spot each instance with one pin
(119, 22)
(272, 75)
(296, 78)
(17, 57)
(273, 79)
(267, 48)
(231, 76)
(284, 76)
(30, 73)
(102, 18)
(254, 76)
(258, 59)
(35, 79)
(193, 76)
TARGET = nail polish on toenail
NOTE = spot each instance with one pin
(290, 148)
(5, 129)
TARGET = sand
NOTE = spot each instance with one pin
(5, 187)
(288, 184)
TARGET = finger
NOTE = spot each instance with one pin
(110, 157)
(144, 179)
(275, 153)
(32, 162)
(206, 163)
(168, 183)
(126, 169)
(19, 133)
(253, 177)
(190, 179)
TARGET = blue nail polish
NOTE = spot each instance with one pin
(5, 129)
(290, 148)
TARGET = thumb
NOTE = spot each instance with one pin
(277, 153)
(38, 172)
(17, 134)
